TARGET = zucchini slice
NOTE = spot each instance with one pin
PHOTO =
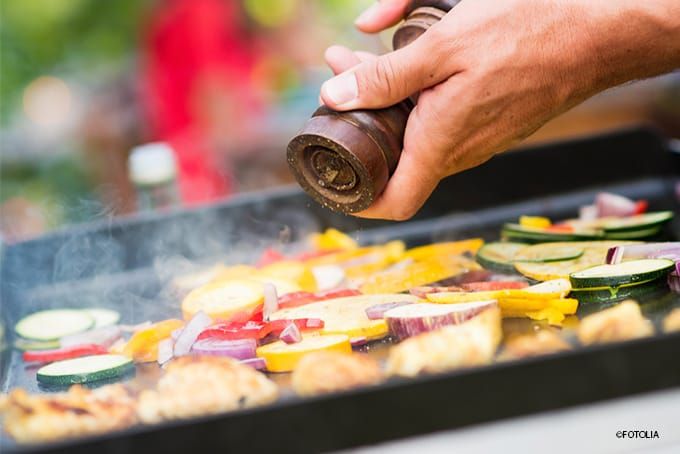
(639, 222)
(594, 253)
(498, 256)
(525, 234)
(635, 271)
(53, 324)
(551, 252)
(638, 291)
(85, 369)
(634, 234)
(103, 317)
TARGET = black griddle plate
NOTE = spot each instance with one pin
(123, 267)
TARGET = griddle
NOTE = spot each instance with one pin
(126, 264)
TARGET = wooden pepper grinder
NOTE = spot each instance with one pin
(344, 159)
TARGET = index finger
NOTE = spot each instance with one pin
(381, 15)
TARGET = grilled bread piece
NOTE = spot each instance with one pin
(621, 322)
(78, 412)
(324, 372)
(195, 386)
(471, 343)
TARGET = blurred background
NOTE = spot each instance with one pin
(223, 84)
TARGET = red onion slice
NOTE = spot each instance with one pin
(674, 279)
(237, 349)
(165, 348)
(614, 205)
(644, 251)
(271, 301)
(414, 319)
(175, 334)
(377, 311)
(358, 341)
(104, 336)
(255, 363)
(291, 334)
(190, 333)
(588, 213)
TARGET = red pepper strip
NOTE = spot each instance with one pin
(302, 323)
(313, 255)
(641, 206)
(49, 356)
(296, 299)
(490, 286)
(237, 330)
(269, 256)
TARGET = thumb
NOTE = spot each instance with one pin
(383, 81)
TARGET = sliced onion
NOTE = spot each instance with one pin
(421, 292)
(291, 334)
(674, 279)
(358, 341)
(190, 333)
(271, 301)
(135, 328)
(614, 205)
(588, 213)
(165, 348)
(175, 334)
(255, 363)
(105, 336)
(470, 276)
(237, 349)
(414, 319)
(328, 276)
(377, 311)
(641, 251)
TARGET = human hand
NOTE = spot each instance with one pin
(489, 74)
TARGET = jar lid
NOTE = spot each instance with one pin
(152, 163)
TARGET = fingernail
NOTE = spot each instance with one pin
(370, 15)
(342, 89)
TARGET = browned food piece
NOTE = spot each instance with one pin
(471, 343)
(78, 412)
(194, 386)
(624, 321)
(671, 323)
(324, 372)
(542, 343)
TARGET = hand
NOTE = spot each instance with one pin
(490, 73)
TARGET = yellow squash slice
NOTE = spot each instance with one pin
(347, 315)
(282, 357)
(222, 299)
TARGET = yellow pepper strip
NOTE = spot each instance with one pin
(414, 275)
(552, 315)
(377, 259)
(143, 345)
(522, 304)
(444, 249)
(565, 305)
(332, 240)
(297, 272)
(534, 221)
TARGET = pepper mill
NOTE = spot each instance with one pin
(344, 159)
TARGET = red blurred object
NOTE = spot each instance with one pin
(641, 206)
(195, 53)
(48, 356)
(269, 256)
(237, 330)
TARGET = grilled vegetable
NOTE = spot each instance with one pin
(53, 324)
(237, 349)
(621, 322)
(103, 317)
(328, 276)
(346, 315)
(190, 333)
(635, 223)
(414, 319)
(626, 273)
(516, 232)
(282, 357)
(290, 270)
(222, 299)
(668, 250)
(637, 291)
(414, 275)
(499, 256)
(493, 285)
(291, 334)
(236, 330)
(378, 311)
(48, 356)
(143, 345)
(104, 336)
(534, 221)
(444, 249)
(333, 240)
(31, 345)
(594, 253)
(555, 252)
(85, 369)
